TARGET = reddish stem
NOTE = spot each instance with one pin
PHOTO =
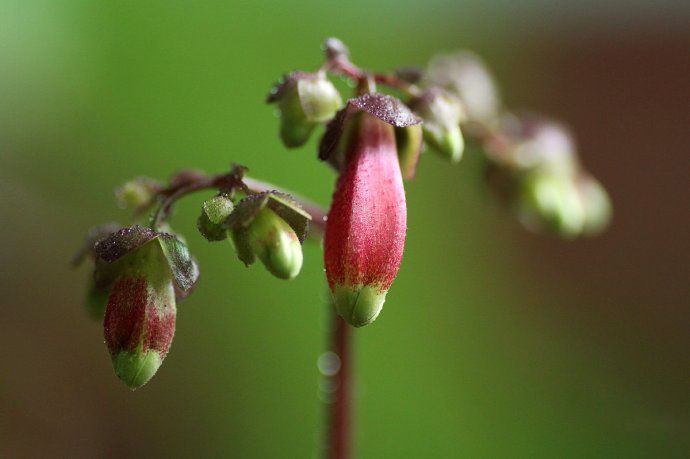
(339, 411)
(172, 194)
(348, 69)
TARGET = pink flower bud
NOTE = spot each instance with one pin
(144, 271)
(365, 232)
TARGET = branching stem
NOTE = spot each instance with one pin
(229, 182)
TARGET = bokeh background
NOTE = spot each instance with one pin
(493, 343)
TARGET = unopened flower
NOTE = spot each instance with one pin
(270, 226)
(464, 74)
(365, 231)
(214, 212)
(144, 269)
(442, 114)
(304, 100)
(551, 202)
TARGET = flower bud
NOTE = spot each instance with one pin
(135, 193)
(214, 212)
(273, 241)
(139, 321)
(465, 75)
(365, 231)
(532, 143)
(442, 114)
(143, 270)
(551, 202)
(596, 204)
(304, 100)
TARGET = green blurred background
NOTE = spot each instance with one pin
(493, 342)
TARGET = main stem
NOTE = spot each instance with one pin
(339, 410)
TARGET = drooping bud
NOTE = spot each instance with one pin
(442, 114)
(465, 75)
(550, 202)
(596, 204)
(365, 231)
(211, 222)
(145, 268)
(135, 193)
(272, 240)
(270, 226)
(304, 100)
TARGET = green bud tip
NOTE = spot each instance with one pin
(319, 99)
(136, 368)
(448, 141)
(218, 208)
(358, 305)
(442, 114)
(597, 205)
(551, 202)
(311, 100)
(214, 212)
(133, 194)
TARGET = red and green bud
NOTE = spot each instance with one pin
(366, 227)
(143, 270)
(304, 100)
(139, 322)
(270, 226)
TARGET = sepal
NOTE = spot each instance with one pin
(386, 108)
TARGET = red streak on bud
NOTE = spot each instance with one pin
(365, 231)
(131, 313)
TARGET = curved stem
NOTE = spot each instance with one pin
(348, 69)
(168, 196)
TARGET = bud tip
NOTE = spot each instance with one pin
(359, 305)
(136, 368)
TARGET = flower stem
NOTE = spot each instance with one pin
(225, 182)
(340, 409)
